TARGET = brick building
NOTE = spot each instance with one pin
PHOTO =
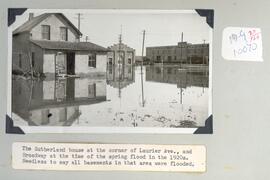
(182, 53)
(49, 44)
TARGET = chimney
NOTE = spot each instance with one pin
(31, 16)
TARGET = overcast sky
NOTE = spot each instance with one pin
(162, 27)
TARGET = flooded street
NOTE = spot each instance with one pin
(151, 96)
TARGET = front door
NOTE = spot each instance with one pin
(71, 63)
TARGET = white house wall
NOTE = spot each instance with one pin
(81, 64)
(102, 63)
(49, 63)
(81, 88)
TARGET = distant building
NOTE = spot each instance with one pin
(49, 44)
(182, 53)
(138, 59)
(121, 54)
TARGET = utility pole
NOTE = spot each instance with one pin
(120, 61)
(142, 68)
(182, 37)
(79, 17)
(143, 44)
(203, 49)
(181, 70)
(120, 40)
(79, 21)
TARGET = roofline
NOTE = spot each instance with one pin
(170, 46)
(73, 26)
(90, 50)
(47, 14)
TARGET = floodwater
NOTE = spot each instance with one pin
(148, 96)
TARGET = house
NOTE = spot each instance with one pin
(49, 44)
(183, 52)
(121, 54)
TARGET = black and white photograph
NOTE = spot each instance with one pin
(110, 71)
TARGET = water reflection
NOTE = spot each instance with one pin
(55, 102)
(172, 97)
(175, 75)
(120, 76)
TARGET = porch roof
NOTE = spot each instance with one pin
(71, 46)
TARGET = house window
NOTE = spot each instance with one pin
(64, 33)
(129, 60)
(20, 60)
(33, 59)
(46, 32)
(92, 90)
(92, 60)
(110, 69)
(110, 61)
(158, 58)
(169, 58)
(169, 70)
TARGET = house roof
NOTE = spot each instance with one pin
(65, 45)
(28, 25)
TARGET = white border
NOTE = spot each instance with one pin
(104, 130)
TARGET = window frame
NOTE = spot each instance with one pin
(110, 60)
(46, 35)
(61, 33)
(92, 60)
(129, 61)
(20, 60)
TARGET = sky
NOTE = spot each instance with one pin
(163, 27)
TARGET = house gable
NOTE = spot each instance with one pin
(55, 21)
